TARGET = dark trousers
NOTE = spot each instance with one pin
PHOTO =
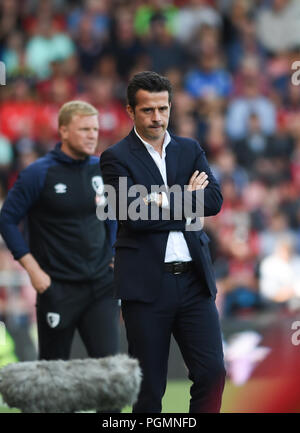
(89, 308)
(185, 310)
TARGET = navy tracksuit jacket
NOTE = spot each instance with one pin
(56, 194)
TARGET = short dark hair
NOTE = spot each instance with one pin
(150, 81)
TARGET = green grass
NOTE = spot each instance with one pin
(176, 398)
(4, 409)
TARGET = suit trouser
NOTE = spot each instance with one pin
(87, 307)
(185, 310)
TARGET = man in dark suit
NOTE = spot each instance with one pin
(163, 269)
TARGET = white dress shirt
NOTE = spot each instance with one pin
(177, 249)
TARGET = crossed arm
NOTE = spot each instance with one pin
(112, 169)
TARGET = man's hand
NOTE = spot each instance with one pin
(154, 197)
(40, 280)
(197, 181)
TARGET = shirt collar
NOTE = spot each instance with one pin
(167, 140)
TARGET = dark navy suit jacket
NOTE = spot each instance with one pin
(141, 245)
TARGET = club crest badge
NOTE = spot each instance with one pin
(97, 184)
(53, 319)
(60, 188)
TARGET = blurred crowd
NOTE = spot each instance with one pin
(230, 63)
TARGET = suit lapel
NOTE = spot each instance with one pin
(140, 151)
(172, 160)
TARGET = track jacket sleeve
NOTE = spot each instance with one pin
(20, 198)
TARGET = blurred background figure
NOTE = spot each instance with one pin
(209, 78)
(250, 101)
(145, 10)
(45, 46)
(278, 25)
(192, 16)
(125, 45)
(164, 50)
(113, 121)
(279, 275)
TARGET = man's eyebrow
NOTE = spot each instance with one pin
(152, 108)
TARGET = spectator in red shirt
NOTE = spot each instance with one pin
(113, 120)
(18, 112)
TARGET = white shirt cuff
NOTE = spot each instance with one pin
(164, 201)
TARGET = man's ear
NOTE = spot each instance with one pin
(63, 131)
(130, 111)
